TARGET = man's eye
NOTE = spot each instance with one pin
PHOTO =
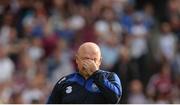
(84, 58)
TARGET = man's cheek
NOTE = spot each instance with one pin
(80, 66)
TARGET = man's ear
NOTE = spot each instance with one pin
(76, 58)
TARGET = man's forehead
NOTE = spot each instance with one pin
(88, 53)
(89, 50)
(89, 47)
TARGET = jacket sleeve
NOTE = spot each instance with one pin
(110, 86)
(55, 97)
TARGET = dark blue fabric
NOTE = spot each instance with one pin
(88, 84)
(114, 87)
(101, 87)
(76, 78)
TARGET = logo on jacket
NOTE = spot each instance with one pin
(69, 89)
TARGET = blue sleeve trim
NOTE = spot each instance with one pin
(114, 85)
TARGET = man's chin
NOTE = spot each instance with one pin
(84, 74)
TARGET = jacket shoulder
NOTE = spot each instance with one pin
(108, 74)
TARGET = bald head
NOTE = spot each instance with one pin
(89, 48)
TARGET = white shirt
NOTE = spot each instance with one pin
(6, 69)
(167, 45)
(138, 45)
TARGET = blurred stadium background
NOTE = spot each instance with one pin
(139, 39)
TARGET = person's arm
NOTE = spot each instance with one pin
(55, 97)
(109, 86)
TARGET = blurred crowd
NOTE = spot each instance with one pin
(139, 40)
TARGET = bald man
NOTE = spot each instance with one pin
(90, 85)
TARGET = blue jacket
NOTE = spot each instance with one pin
(100, 88)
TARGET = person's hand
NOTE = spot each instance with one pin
(90, 66)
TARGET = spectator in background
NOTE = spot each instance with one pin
(6, 65)
(148, 17)
(35, 21)
(139, 45)
(59, 63)
(107, 25)
(26, 68)
(174, 22)
(173, 7)
(35, 51)
(167, 42)
(160, 85)
(126, 70)
(127, 17)
(34, 93)
(5, 91)
(49, 41)
(110, 51)
(139, 37)
(7, 31)
(136, 95)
